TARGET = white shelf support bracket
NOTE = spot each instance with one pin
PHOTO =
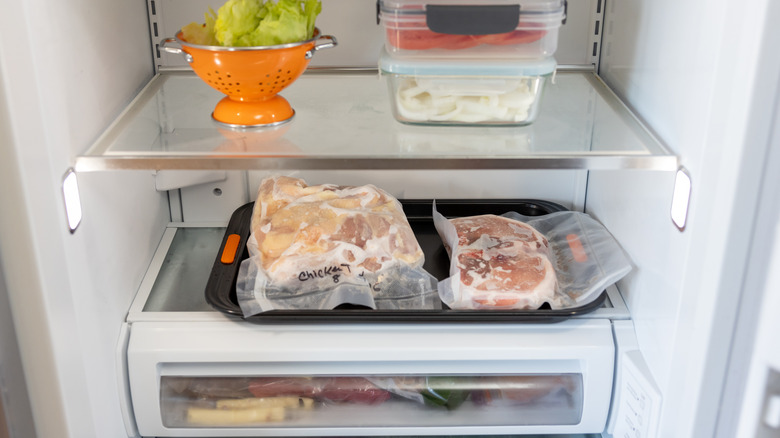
(165, 180)
(70, 194)
(681, 198)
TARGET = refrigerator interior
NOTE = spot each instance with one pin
(69, 69)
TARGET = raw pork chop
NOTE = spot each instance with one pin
(503, 263)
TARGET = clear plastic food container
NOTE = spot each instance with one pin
(449, 92)
(472, 29)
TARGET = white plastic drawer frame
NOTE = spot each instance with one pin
(225, 349)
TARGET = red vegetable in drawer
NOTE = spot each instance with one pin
(278, 386)
(331, 389)
(521, 389)
(353, 390)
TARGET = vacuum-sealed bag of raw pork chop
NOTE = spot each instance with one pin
(513, 261)
(319, 247)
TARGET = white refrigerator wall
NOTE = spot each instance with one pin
(754, 367)
(704, 76)
(68, 69)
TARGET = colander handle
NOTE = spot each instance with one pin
(330, 41)
(166, 45)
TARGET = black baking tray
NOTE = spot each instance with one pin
(221, 286)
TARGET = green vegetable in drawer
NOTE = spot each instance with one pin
(445, 391)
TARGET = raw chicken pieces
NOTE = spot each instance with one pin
(302, 230)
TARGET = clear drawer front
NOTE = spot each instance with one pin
(371, 400)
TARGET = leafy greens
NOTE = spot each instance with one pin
(246, 23)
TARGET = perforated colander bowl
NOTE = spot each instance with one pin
(250, 77)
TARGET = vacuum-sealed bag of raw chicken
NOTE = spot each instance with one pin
(511, 261)
(318, 247)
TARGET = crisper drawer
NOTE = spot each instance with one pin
(239, 379)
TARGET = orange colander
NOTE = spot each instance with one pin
(251, 77)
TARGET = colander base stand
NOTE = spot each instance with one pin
(272, 111)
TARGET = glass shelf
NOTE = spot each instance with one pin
(343, 121)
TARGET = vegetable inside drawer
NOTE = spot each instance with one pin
(371, 400)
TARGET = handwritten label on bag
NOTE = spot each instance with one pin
(375, 287)
(330, 271)
(334, 272)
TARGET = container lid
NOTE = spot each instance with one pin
(450, 67)
(470, 17)
(420, 6)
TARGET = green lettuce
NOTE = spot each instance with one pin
(201, 33)
(245, 23)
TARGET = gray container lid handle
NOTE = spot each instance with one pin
(472, 20)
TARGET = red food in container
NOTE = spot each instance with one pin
(468, 29)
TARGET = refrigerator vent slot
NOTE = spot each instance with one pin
(154, 31)
(597, 18)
